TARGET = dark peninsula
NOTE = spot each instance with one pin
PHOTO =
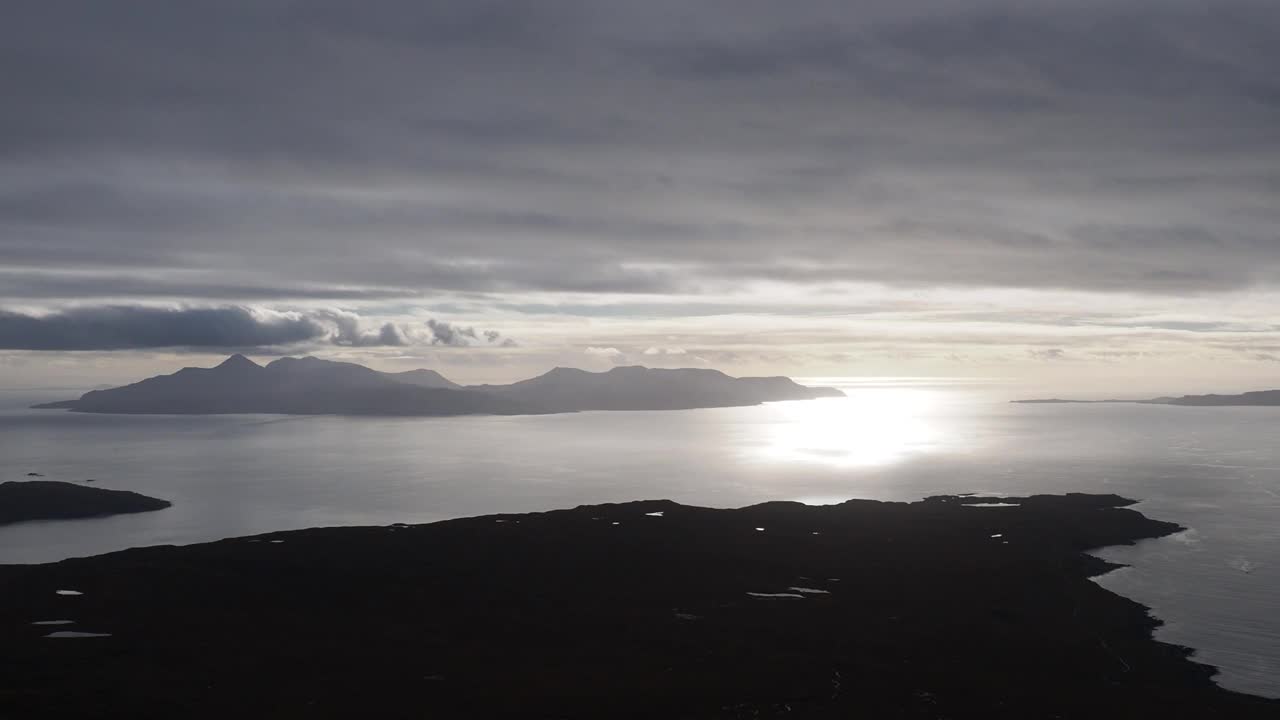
(945, 608)
(47, 500)
(311, 386)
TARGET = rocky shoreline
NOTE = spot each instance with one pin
(949, 607)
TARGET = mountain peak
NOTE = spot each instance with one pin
(295, 362)
(238, 361)
(422, 371)
(425, 378)
(561, 370)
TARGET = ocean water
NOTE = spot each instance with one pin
(1213, 470)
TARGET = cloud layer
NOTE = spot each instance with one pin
(617, 148)
(117, 328)
(221, 328)
(609, 174)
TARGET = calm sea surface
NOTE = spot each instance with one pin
(1214, 470)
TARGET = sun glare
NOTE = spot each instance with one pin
(871, 427)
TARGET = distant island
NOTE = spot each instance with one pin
(944, 608)
(311, 386)
(1260, 398)
(47, 500)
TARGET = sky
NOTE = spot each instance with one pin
(1079, 195)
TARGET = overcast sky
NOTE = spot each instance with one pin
(1068, 192)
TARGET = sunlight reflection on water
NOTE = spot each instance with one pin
(869, 428)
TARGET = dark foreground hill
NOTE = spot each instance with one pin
(310, 386)
(47, 500)
(935, 609)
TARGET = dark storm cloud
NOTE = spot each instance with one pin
(119, 328)
(140, 327)
(383, 149)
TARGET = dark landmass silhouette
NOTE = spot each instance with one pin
(639, 610)
(48, 500)
(310, 386)
(1260, 398)
(641, 388)
(425, 378)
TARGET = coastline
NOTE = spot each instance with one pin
(646, 609)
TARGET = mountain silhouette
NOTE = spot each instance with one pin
(311, 386)
(290, 386)
(425, 378)
(641, 388)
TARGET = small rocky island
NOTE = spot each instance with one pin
(952, 607)
(48, 500)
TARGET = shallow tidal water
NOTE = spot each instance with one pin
(1214, 470)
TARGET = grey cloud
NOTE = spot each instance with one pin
(407, 147)
(443, 333)
(141, 327)
(449, 334)
(18, 285)
(119, 328)
(350, 332)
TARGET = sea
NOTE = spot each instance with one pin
(1215, 471)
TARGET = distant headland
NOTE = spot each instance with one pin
(311, 386)
(1260, 398)
(48, 500)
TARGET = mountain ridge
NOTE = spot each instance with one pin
(313, 386)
